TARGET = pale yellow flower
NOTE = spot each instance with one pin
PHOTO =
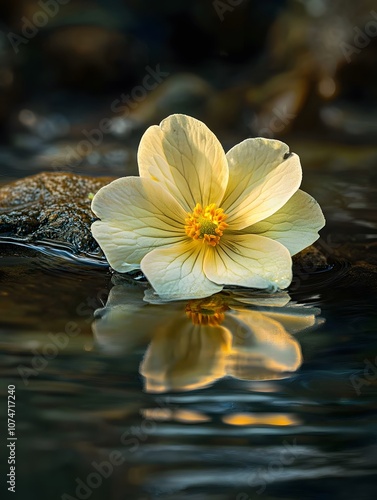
(198, 219)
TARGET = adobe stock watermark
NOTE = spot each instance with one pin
(30, 27)
(278, 122)
(223, 6)
(73, 157)
(262, 476)
(57, 342)
(364, 377)
(361, 39)
(131, 440)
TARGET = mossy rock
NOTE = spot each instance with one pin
(51, 208)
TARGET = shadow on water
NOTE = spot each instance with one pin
(234, 397)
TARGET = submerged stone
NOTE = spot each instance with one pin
(52, 208)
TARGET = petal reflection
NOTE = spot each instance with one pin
(184, 356)
(262, 348)
(189, 345)
(126, 321)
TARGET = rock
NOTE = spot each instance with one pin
(359, 253)
(362, 271)
(52, 208)
(309, 260)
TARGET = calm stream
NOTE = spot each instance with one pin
(238, 397)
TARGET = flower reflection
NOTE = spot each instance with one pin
(190, 345)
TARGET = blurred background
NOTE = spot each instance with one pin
(80, 80)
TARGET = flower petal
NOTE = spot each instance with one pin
(187, 158)
(137, 215)
(249, 260)
(177, 272)
(295, 225)
(262, 178)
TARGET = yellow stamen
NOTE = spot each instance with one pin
(206, 224)
(209, 312)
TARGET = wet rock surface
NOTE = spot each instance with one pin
(52, 208)
(362, 259)
(310, 259)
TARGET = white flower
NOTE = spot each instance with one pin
(198, 219)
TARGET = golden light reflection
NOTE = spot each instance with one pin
(157, 414)
(188, 346)
(189, 416)
(167, 415)
(250, 419)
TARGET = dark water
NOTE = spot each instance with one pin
(234, 398)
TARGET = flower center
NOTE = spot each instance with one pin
(209, 312)
(206, 224)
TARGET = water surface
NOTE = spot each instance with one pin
(237, 398)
